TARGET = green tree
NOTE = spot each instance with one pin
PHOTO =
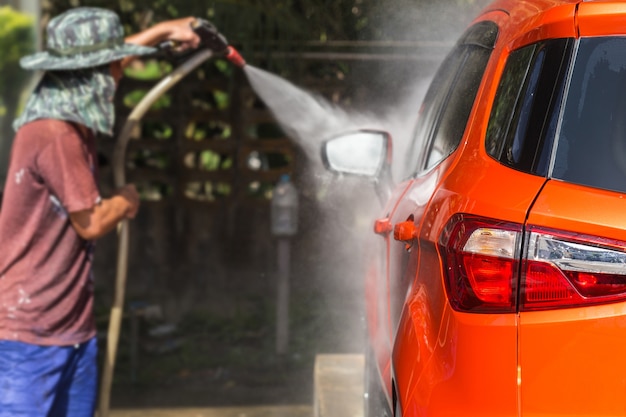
(258, 24)
(17, 39)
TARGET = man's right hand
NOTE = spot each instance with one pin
(103, 217)
(178, 30)
(130, 194)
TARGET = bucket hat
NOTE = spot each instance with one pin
(83, 37)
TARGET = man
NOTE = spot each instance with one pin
(52, 212)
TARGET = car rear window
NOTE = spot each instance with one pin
(592, 141)
(545, 94)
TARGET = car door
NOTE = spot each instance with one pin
(442, 121)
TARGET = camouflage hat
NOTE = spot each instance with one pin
(83, 37)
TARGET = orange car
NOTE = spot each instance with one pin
(498, 285)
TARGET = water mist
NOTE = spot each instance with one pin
(344, 207)
(347, 205)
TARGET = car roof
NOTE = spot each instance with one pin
(522, 10)
(532, 20)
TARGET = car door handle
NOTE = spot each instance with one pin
(405, 232)
(382, 226)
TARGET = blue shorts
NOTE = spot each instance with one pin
(51, 381)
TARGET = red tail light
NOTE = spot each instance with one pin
(569, 270)
(482, 259)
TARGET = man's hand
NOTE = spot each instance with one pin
(177, 30)
(102, 218)
(129, 193)
(181, 32)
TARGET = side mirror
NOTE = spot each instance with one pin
(364, 153)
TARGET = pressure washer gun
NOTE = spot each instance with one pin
(210, 38)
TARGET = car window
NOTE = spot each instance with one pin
(455, 114)
(591, 146)
(431, 106)
(524, 116)
(450, 98)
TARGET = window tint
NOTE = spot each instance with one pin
(450, 98)
(524, 116)
(592, 142)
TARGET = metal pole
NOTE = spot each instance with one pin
(282, 302)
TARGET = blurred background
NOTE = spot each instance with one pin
(200, 318)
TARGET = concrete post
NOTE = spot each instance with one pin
(282, 302)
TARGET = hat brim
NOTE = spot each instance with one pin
(47, 61)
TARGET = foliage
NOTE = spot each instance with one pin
(16, 40)
(258, 28)
(134, 97)
(150, 70)
(268, 21)
(244, 20)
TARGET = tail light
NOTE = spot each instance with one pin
(485, 264)
(569, 270)
(481, 264)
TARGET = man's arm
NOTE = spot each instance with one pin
(178, 30)
(102, 218)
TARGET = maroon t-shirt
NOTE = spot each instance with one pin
(46, 283)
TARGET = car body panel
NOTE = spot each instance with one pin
(531, 21)
(572, 361)
(601, 17)
(430, 328)
(583, 370)
(444, 383)
(596, 212)
(377, 291)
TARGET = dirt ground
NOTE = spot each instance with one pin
(219, 388)
(210, 362)
(258, 377)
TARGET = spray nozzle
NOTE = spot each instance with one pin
(210, 38)
(234, 57)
